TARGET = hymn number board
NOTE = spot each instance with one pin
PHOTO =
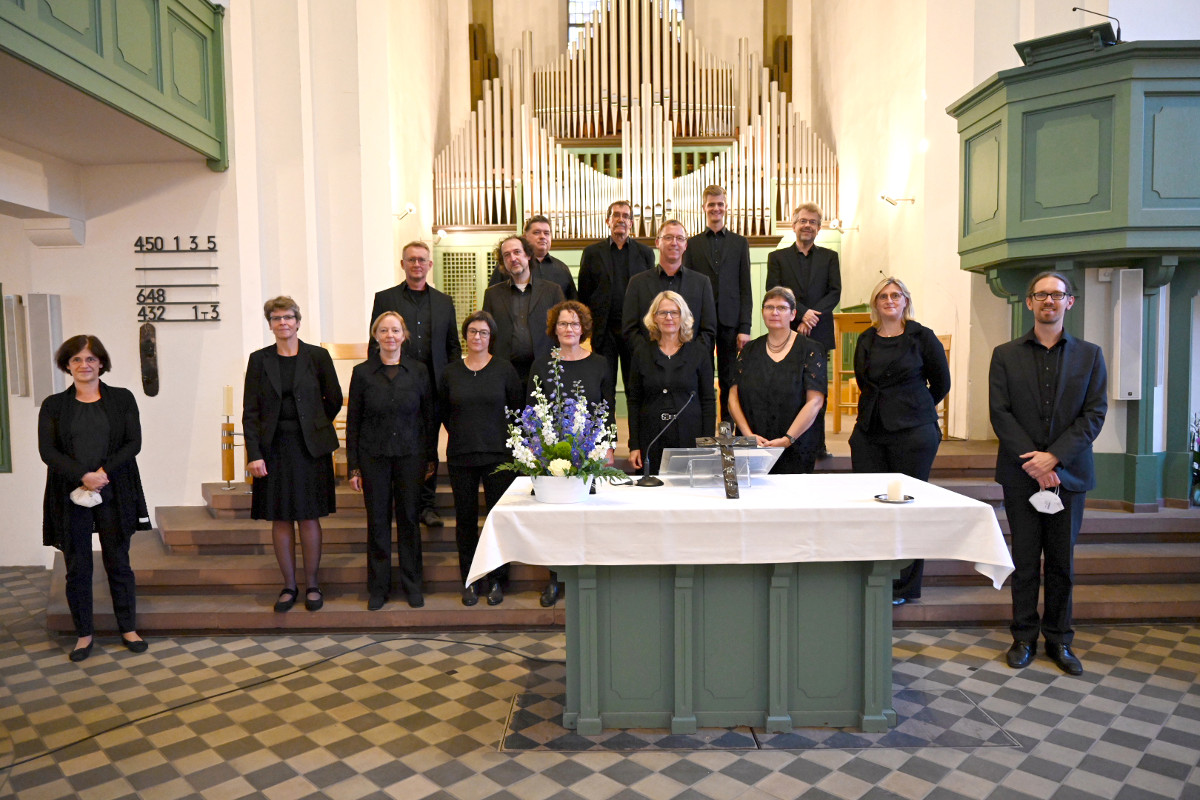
(177, 279)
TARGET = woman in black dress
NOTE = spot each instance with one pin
(475, 393)
(569, 323)
(88, 435)
(780, 386)
(391, 449)
(663, 373)
(290, 399)
(902, 374)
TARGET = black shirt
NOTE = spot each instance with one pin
(475, 403)
(659, 386)
(591, 372)
(1049, 364)
(771, 393)
(390, 416)
(89, 434)
(618, 284)
(521, 344)
(288, 412)
(716, 247)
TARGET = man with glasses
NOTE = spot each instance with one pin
(543, 266)
(520, 306)
(1047, 401)
(814, 275)
(432, 340)
(669, 275)
(724, 258)
(604, 272)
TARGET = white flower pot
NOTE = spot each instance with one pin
(552, 489)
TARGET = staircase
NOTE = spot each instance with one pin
(211, 569)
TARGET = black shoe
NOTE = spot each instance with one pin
(416, 599)
(81, 653)
(824, 454)
(135, 645)
(376, 601)
(1062, 656)
(549, 595)
(431, 518)
(1020, 654)
(469, 596)
(310, 603)
(495, 595)
(287, 599)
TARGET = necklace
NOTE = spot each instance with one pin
(781, 346)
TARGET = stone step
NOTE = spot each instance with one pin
(1098, 563)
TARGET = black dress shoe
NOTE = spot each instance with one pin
(287, 599)
(549, 595)
(416, 600)
(495, 595)
(81, 653)
(314, 603)
(376, 601)
(824, 454)
(1020, 654)
(1062, 656)
(469, 596)
(135, 645)
(431, 518)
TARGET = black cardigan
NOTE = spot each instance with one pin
(912, 385)
(318, 399)
(64, 474)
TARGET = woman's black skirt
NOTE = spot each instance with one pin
(297, 485)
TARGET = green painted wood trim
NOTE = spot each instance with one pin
(778, 719)
(683, 721)
(1110, 476)
(877, 714)
(98, 74)
(5, 428)
(588, 603)
(1181, 365)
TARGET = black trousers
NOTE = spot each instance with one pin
(612, 347)
(910, 452)
(727, 356)
(393, 482)
(114, 550)
(819, 422)
(465, 483)
(1037, 536)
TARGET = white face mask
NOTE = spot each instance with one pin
(1046, 501)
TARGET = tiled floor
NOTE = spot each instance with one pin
(425, 717)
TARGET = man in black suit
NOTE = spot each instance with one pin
(520, 306)
(433, 337)
(724, 257)
(669, 275)
(1047, 402)
(543, 266)
(813, 273)
(604, 272)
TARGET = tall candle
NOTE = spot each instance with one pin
(895, 490)
(227, 404)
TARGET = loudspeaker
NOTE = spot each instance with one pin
(16, 345)
(45, 335)
(1125, 377)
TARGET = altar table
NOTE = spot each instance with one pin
(687, 609)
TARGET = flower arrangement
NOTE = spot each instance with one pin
(560, 435)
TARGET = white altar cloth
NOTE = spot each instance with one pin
(780, 519)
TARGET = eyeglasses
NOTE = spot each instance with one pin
(672, 237)
(620, 215)
(417, 261)
(807, 221)
(568, 325)
(478, 333)
(79, 360)
(1043, 296)
(774, 309)
(664, 313)
(893, 296)
(282, 318)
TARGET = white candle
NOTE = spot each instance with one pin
(227, 404)
(895, 490)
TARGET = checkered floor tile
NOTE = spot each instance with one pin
(419, 717)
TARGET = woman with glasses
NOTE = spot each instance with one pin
(290, 399)
(902, 374)
(569, 323)
(89, 435)
(779, 386)
(475, 393)
(664, 373)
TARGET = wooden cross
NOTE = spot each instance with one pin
(726, 443)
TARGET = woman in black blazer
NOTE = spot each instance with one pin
(902, 375)
(88, 435)
(291, 397)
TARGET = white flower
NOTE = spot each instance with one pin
(559, 467)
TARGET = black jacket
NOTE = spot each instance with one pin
(915, 382)
(730, 279)
(595, 277)
(64, 474)
(1079, 409)
(818, 287)
(696, 291)
(390, 417)
(444, 341)
(497, 301)
(552, 269)
(318, 399)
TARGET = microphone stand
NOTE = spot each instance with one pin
(646, 479)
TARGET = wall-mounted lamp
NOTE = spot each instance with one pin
(438, 235)
(408, 209)
(839, 225)
(897, 200)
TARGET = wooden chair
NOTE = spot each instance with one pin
(353, 352)
(844, 391)
(944, 408)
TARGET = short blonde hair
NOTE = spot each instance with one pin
(686, 320)
(397, 315)
(813, 207)
(906, 315)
